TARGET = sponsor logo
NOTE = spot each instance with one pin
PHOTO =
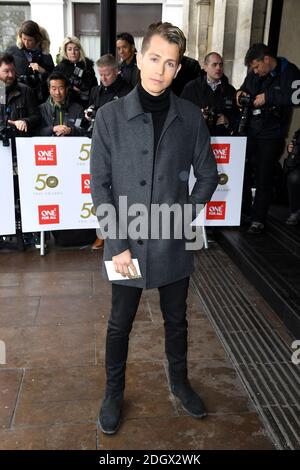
(49, 214)
(223, 178)
(45, 155)
(85, 184)
(221, 152)
(215, 210)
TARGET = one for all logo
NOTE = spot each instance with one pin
(49, 214)
(216, 210)
(85, 184)
(45, 155)
(221, 153)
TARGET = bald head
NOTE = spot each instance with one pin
(213, 66)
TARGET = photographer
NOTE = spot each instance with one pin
(78, 69)
(292, 170)
(112, 86)
(60, 115)
(127, 54)
(215, 96)
(20, 111)
(269, 87)
(32, 59)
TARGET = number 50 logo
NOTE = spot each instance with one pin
(85, 152)
(87, 210)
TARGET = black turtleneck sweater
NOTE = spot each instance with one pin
(158, 106)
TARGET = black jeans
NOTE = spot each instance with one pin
(261, 156)
(125, 302)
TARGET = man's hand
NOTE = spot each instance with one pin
(222, 120)
(290, 147)
(61, 130)
(20, 125)
(123, 264)
(259, 101)
(36, 67)
(240, 93)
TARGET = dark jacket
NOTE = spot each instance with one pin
(21, 104)
(220, 101)
(190, 70)
(36, 81)
(71, 116)
(130, 72)
(123, 164)
(101, 95)
(85, 83)
(273, 121)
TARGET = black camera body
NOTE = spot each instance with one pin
(246, 103)
(76, 77)
(293, 159)
(6, 133)
(91, 111)
(211, 116)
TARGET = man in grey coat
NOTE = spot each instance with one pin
(143, 147)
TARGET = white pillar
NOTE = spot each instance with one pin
(218, 26)
(242, 41)
(268, 21)
(51, 17)
(172, 11)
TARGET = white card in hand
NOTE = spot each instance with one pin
(113, 276)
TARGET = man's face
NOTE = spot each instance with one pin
(28, 41)
(107, 75)
(214, 67)
(125, 50)
(158, 65)
(261, 67)
(7, 73)
(58, 91)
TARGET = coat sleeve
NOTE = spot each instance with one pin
(205, 169)
(101, 181)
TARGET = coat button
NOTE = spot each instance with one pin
(140, 242)
(144, 152)
(143, 182)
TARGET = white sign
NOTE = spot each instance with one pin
(55, 183)
(7, 200)
(225, 205)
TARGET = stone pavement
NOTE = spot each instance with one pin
(53, 314)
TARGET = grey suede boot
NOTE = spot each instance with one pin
(190, 400)
(110, 413)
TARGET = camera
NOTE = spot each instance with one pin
(6, 133)
(246, 103)
(76, 77)
(91, 112)
(293, 159)
(211, 116)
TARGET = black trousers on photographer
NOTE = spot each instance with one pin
(261, 156)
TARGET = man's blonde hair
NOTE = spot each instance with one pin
(167, 31)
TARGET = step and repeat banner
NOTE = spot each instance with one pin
(54, 184)
(225, 205)
(7, 200)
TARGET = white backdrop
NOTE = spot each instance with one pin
(54, 183)
(7, 200)
(225, 205)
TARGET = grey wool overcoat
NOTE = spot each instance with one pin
(123, 164)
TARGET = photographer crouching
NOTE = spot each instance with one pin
(266, 101)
